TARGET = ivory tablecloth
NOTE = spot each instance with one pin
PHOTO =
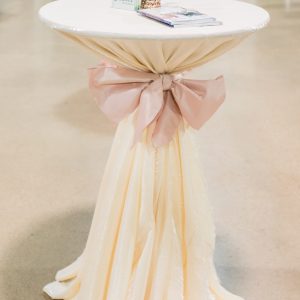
(152, 235)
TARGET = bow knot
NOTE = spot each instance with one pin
(120, 91)
(167, 81)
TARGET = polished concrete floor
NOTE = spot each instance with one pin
(54, 143)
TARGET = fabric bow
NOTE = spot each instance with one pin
(160, 98)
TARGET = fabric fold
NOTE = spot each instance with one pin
(152, 235)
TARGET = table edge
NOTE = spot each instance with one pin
(110, 35)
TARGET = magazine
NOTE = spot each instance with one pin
(179, 16)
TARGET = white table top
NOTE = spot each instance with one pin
(96, 18)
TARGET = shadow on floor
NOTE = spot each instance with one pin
(53, 244)
(82, 112)
(232, 278)
(33, 260)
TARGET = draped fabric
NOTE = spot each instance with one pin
(152, 235)
(159, 56)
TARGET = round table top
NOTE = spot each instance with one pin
(96, 18)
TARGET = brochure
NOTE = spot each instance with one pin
(179, 16)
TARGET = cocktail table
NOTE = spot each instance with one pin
(152, 235)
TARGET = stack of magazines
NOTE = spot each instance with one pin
(179, 16)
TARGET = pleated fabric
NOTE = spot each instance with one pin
(152, 235)
(158, 56)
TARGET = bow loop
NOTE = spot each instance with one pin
(160, 99)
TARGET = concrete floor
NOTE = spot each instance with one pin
(54, 143)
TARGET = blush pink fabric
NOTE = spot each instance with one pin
(161, 98)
